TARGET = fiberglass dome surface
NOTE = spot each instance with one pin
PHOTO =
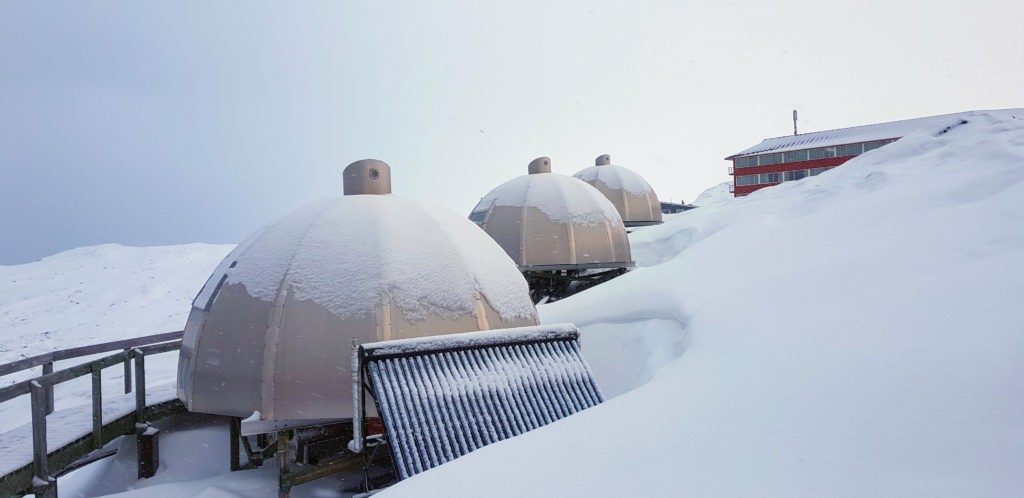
(632, 196)
(546, 220)
(274, 326)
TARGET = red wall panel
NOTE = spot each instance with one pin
(827, 162)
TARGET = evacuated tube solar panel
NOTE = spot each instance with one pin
(439, 402)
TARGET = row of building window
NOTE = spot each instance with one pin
(782, 176)
(809, 154)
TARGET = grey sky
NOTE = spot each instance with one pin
(200, 121)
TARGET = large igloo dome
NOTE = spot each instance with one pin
(632, 196)
(550, 221)
(274, 326)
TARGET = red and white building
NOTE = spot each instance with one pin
(783, 159)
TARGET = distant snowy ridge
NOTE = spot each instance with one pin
(99, 293)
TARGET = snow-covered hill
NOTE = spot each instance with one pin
(856, 333)
(96, 294)
(99, 293)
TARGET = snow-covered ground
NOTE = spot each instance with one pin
(856, 333)
(850, 334)
(96, 294)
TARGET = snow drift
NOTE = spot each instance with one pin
(854, 333)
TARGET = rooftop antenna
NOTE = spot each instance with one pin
(794, 122)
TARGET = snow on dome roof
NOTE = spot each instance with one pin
(558, 196)
(631, 195)
(552, 219)
(344, 252)
(273, 328)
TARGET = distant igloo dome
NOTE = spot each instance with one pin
(632, 196)
(274, 326)
(549, 220)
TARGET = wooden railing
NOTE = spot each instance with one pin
(46, 361)
(41, 391)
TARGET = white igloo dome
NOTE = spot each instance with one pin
(546, 220)
(274, 326)
(632, 196)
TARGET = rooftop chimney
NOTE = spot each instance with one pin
(540, 165)
(368, 176)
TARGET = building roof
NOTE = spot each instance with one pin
(856, 134)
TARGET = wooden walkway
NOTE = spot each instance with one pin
(70, 435)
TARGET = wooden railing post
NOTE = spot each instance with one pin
(146, 437)
(97, 408)
(38, 430)
(235, 434)
(140, 386)
(127, 371)
(284, 486)
(48, 369)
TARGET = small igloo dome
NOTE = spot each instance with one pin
(274, 326)
(546, 220)
(632, 196)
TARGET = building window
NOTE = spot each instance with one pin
(789, 176)
(871, 146)
(818, 171)
(770, 178)
(822, 153)
(745, 180)
(796, 155)
(849, 150)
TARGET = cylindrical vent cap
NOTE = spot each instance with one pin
(603, 160)
(540, 165)
(368, 176)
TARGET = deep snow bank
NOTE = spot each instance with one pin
(856, 333)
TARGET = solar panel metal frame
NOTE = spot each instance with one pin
(537, 375)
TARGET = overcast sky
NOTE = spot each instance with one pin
(201, 121)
